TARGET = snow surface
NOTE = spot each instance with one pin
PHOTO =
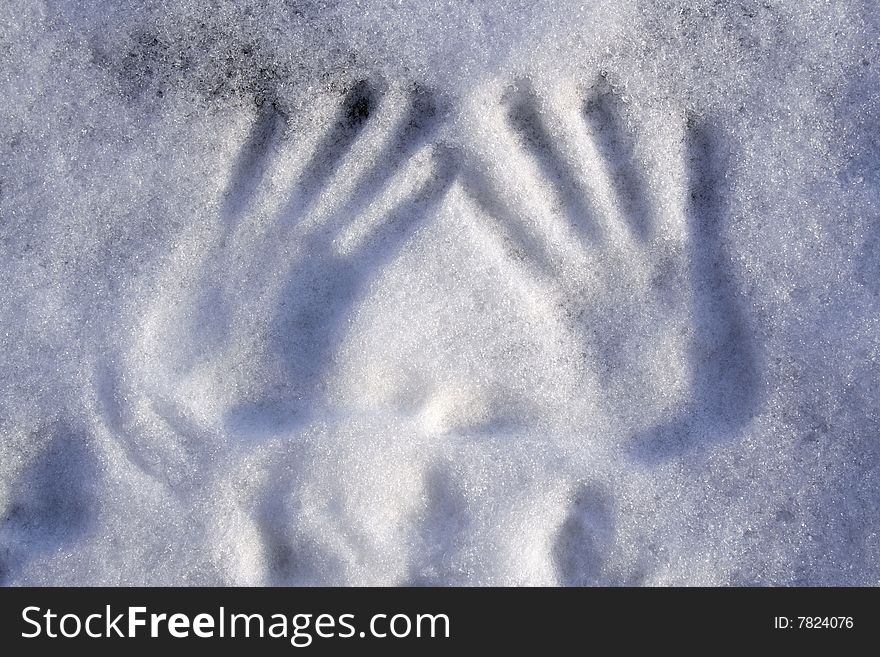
(439, 292)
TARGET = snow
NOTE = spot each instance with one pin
(526, 293)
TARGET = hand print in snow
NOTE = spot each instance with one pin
(622, 279)
(405, 298)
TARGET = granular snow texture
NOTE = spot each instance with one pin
(380, 293)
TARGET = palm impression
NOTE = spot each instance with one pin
(476, 269)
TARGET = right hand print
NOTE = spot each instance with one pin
(634, 257)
